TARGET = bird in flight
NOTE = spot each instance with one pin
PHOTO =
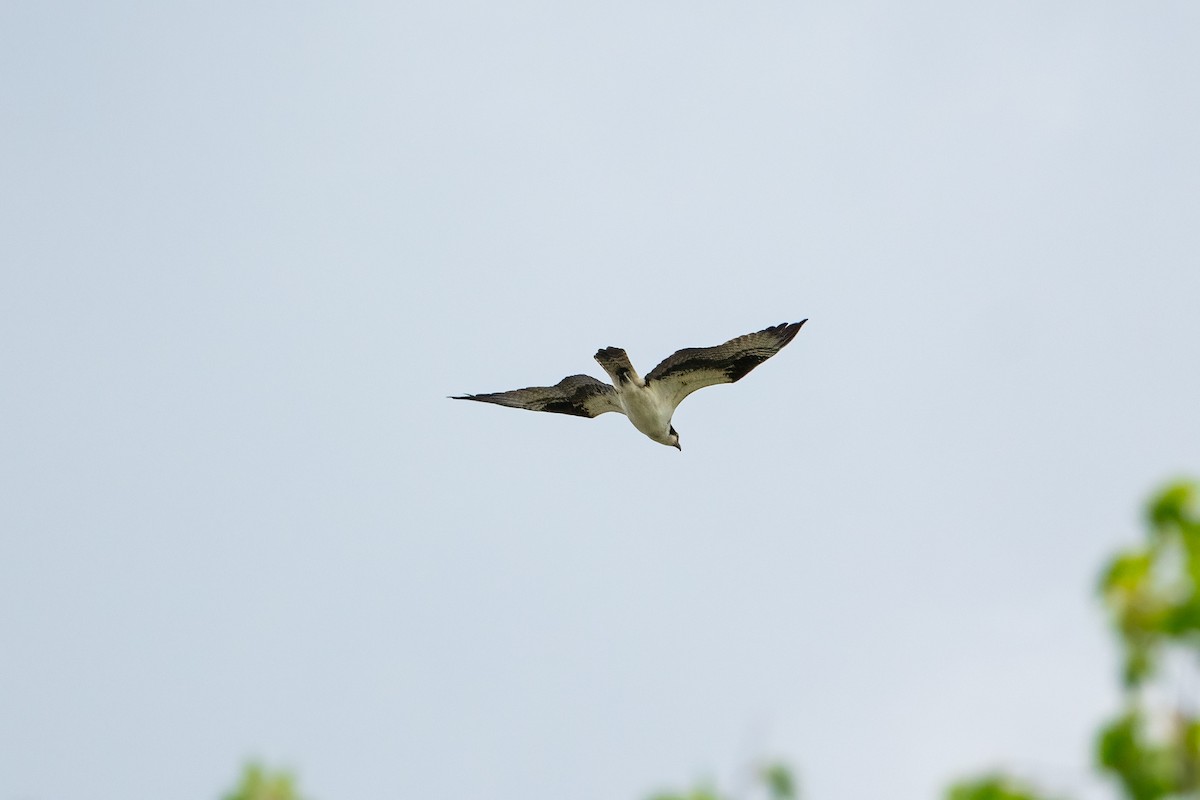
(649, 402)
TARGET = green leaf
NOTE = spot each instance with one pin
(259, 784)
(1146, 770)
(1126, 574)
(1173, 506)
(780, 783)
(992, 787)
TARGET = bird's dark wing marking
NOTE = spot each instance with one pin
(696, 367)
(578, 395)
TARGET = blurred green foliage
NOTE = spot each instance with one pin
(1151, 591)
(779, 782)
(695, 794)
(1152, 594)
(992, 787)
(257, 783)
(776, 780)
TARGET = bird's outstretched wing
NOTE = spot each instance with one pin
(696, 367)
(580, 395)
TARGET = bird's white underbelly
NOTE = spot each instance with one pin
(645, 410)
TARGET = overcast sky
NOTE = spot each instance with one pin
(247, 250)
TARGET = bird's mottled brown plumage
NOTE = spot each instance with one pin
(616, 363)
(578, 395)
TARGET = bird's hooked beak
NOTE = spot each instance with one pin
(677, 447)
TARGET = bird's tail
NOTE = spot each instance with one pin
(616, 364)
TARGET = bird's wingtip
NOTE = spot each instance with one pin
(786, 331)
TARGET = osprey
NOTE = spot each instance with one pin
(651, 401)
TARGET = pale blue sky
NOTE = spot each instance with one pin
(249, 248)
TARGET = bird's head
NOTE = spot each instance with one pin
(673, 439)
